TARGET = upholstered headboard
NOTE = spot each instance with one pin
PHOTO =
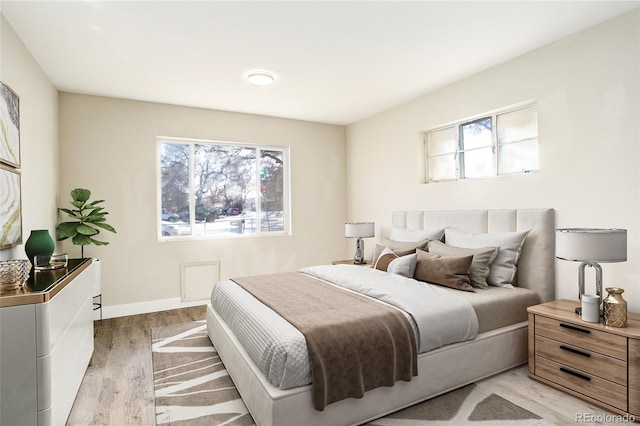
(536, 265)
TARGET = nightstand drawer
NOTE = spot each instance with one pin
(589, 385)
(608, 368)
(582, 336)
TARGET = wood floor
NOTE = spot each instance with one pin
(118, 388)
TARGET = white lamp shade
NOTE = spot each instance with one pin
(359, 229)
(591, 245)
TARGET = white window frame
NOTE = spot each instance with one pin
(460, 150)
(192, 217)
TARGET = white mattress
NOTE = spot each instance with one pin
(277, 347)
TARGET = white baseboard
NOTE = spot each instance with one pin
(146, 307)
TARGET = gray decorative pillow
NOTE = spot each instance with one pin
(480, 266)
(405, 265)
(411, 235)
(449, 271)
(504, 267)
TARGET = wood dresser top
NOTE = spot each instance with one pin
(43, 285)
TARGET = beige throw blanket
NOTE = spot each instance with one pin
(355, 344)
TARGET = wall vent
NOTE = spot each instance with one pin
(197, 279)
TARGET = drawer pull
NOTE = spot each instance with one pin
(575, 351)
(574, 328)
(573, 373)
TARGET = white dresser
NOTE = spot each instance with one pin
(46, 343)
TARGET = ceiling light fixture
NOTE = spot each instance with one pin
(261, 78)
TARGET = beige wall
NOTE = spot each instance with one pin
(588, 92)
(109, 146)
(38, 135)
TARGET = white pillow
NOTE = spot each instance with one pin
(410, 235)
(404, 265)
(503, 269)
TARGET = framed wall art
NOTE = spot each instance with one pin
(9, 126)
(10, 207)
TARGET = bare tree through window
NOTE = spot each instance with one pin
(222, 188)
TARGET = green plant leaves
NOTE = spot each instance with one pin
(72, 213)
(86, 230)
(105, 226)
(89, 220)
(81, 240)
(80, 194)
(66, 230)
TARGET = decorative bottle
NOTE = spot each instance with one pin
(39, 242)
(615, 308)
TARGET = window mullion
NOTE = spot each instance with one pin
(427, 177)
(494, 143)
(192, 187)
(258, 191)
(459, 156)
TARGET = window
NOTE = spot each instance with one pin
(476, 148)
(221, 189)
(501, 143)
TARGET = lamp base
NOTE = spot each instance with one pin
(579, 312)
(358, 259)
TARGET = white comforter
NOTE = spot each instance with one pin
(279, 349)
(440, 316)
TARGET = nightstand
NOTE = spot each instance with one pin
(350, 262)
(590, 361)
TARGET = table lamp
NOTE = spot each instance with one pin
(591, 246)
(359, 230)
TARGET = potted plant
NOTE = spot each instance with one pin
(88, 220)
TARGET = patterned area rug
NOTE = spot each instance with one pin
(192, 387)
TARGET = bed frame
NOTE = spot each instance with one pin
(440, 370)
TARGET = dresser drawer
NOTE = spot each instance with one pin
(603, 366)
(583, 337)
(592, 386)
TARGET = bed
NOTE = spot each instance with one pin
(496, 347)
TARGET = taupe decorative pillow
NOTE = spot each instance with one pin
(449, 271)
(385, 258)
(480, 266)
(399, 247)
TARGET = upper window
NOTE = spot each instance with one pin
(220, 189)
(495, 144)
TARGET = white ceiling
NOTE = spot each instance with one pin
(335, 62)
